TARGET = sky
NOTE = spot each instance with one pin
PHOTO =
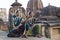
(7, 3)
(52, 2)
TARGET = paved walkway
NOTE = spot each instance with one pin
(3, 36)
(29, 38)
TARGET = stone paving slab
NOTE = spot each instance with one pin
(3, 36)
(29, 38)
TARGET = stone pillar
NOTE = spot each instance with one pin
(43, 31)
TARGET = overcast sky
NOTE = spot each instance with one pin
(6, 3)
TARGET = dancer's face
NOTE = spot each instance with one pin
(18, 14)
(32, 14)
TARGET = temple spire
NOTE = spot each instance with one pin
(16, 0)
(48, 3)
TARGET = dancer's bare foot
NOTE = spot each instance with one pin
(24, 36)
